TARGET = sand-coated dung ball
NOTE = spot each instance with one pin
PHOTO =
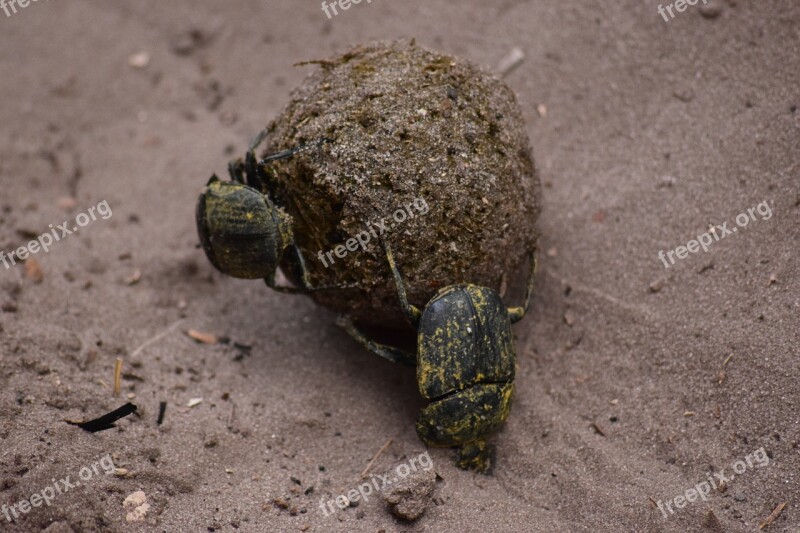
(423, 150)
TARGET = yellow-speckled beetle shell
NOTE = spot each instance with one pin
(465, 364)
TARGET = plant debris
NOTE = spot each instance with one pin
(33, 270)
(117, 376)
(162, 408)
(201, 337)
(106, 421)
(773, 516)
(374, 458)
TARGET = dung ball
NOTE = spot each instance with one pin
(416, 148)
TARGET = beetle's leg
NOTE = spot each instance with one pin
(515, 314)
(258, 139)
(258, 173)
(290, 152)
(412, 312)
(298, 264)
(395, 355)
(266, 176)
(253, 172)
(297, 260)
(270, 281)
(236, 170)
(477, 455)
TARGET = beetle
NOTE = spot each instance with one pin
(243, 232)
(465, 363)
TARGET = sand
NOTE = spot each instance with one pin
(634, 380)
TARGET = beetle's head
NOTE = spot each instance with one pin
(242, 232)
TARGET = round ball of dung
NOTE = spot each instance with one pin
(421, 150)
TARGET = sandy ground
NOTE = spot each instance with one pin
(634, 380)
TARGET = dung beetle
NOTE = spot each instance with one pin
(242, 231)
(465, 363)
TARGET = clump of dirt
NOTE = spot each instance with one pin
(424, 147)
(408, 498)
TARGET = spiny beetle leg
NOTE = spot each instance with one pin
(257, 140)
(236, 170)
(395, 355)
(515, 314)
(251, 171)
(298, 266)
(270, 281)
(412, 312)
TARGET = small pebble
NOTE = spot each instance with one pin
(194, 402)
(511, 61)
(67, 203)
(542, 110)
(139, 60)
(134, 278)
(666, 181)
(684, 94)
(657, 285)
(711, 10)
